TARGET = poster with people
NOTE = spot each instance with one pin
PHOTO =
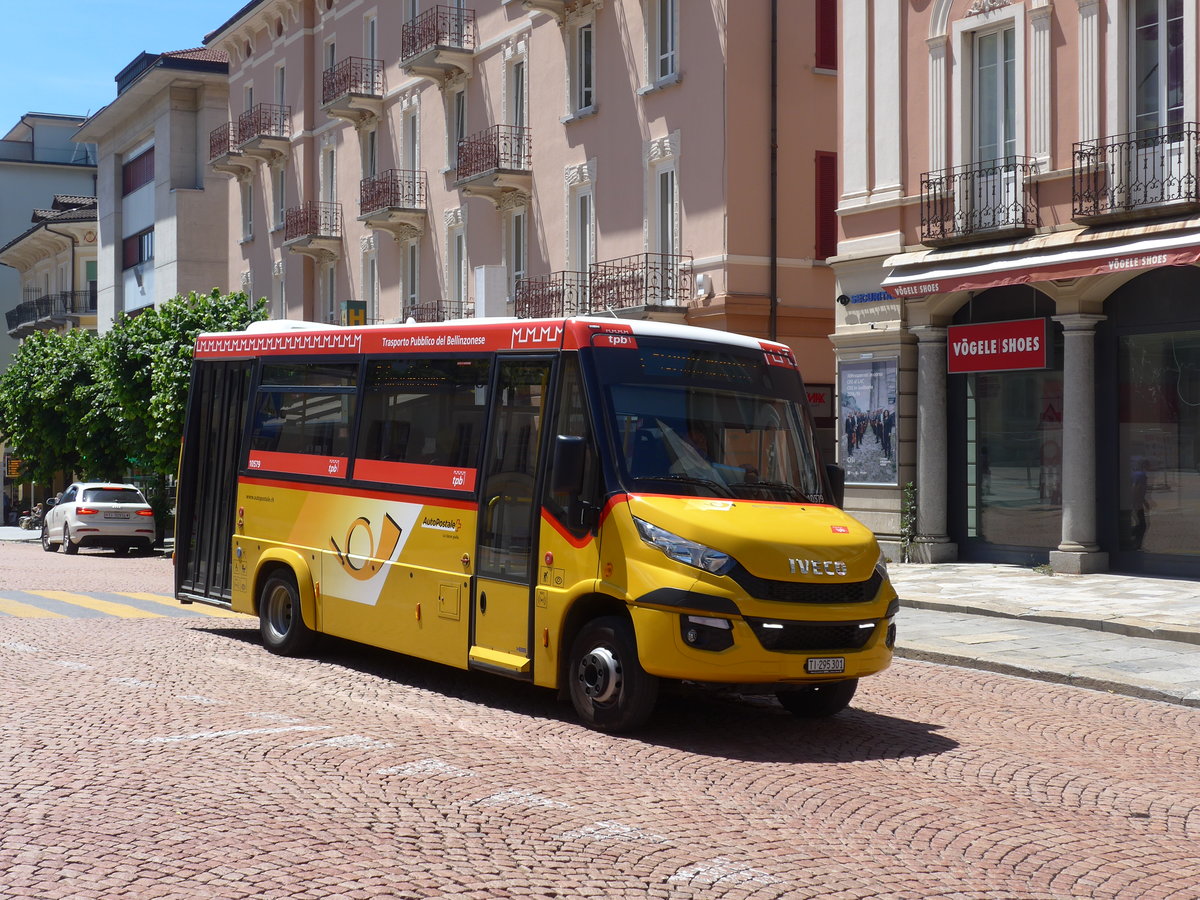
(867, 429)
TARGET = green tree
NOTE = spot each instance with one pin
(45, 395)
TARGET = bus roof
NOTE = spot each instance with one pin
(277, 337)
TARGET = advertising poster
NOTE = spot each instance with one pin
(867, 428)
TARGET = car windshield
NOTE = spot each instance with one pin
(112, 495)
(709, 421)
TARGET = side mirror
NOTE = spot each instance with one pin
(50, 501)
(570, 456)
(837, 483)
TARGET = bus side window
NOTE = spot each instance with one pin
(571, 419)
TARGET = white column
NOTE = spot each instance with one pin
(1041, 91)
(939, 110)
(933, 542)
(855, 79)
(887, 79)
(1089, 69)
(1079, 553)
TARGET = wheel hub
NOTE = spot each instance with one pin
(600, 675)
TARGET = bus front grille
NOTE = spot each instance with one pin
(808, 591)
(811, 636)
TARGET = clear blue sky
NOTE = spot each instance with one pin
(61, 56)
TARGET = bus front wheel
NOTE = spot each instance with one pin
(279, 618)
(609, 688)
(818, 701)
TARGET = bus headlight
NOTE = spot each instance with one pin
(683, 550)
(881, 565)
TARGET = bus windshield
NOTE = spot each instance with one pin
(708, 421)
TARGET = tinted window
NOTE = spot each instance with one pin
(113, 495)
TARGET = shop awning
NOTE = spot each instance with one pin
(928, 272)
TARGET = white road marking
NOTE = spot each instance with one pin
(235, 732)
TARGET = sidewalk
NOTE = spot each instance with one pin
(1131, 635)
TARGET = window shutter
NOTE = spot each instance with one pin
(826, 205)
(826, 28)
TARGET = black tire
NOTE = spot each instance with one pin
(46, 544)
(279, 618)
(819, 701)
(609, 688)
(69, 548)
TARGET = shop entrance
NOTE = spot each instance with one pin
(1148, 357)
(1005, 454)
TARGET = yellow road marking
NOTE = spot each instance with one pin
(198, 608)
(104, 606)
(26, 610)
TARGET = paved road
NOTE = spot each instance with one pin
(172, 757)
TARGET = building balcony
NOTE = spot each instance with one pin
(438, 311)
(314, 229)
(1142, 175)
(265, 132)
(979, 202)
(552, 296)
(641, 282)
(395, 201)
(495, 162)
(439, 43)
(50, 311)
(224, 155)
(353, 90)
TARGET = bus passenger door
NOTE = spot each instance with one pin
(508, 516)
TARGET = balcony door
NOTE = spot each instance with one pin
(994, 192)
(1158, 163)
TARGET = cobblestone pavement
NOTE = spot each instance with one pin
(174, 757)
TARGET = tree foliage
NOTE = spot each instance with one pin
(96, 407)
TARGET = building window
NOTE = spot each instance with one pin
(826, 34)
(826, 193)
(411, 149)
(1157, 91)
(412, 275)
(329, 175)
(456, 276)
(516, 94)
(457, 122)
(517, 250)
(370, 153)
(329, 55)
(137, 172)
(280, 86)
(370, 37)
(278, 283)
(583, 70)
(370, 276)
(665, 236)
(280, 179)
(995, 94)
(663, 35)
(331, 310)
(247, 192)
(137, 249)
(582, 226)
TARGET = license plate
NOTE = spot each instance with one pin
(826, 665)
(116, 515)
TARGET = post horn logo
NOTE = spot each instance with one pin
(367, 565)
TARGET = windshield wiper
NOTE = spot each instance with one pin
(782, 487)
(718, 488)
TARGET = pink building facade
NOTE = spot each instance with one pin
(1016, 274)
(632, 157)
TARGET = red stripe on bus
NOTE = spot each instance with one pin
(347, 491)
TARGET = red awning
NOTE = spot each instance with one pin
(930, 275)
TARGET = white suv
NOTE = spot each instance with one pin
(99, 514)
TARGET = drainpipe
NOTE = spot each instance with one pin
(773, 288)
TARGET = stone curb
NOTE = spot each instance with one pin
(1128, 626)
(1041, 673)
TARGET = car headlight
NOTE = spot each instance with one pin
(683, 550)
(881, 565)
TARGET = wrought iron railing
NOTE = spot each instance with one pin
(222, 140)
(499, 147)
(979, 201)
(353, 75)
(551, 296)
(312, 219)
(645, 279)
(398, 188)
(441, 26)
(58, 306)
(439, 311)
(264, 120)
(1134, 175)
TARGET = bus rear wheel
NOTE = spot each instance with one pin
(279, 618)
(818, 701)
(609, 688)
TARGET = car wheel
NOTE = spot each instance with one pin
(818, 701)
(68, 547)
(47, 545)
(609, 688)
(279, 618)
